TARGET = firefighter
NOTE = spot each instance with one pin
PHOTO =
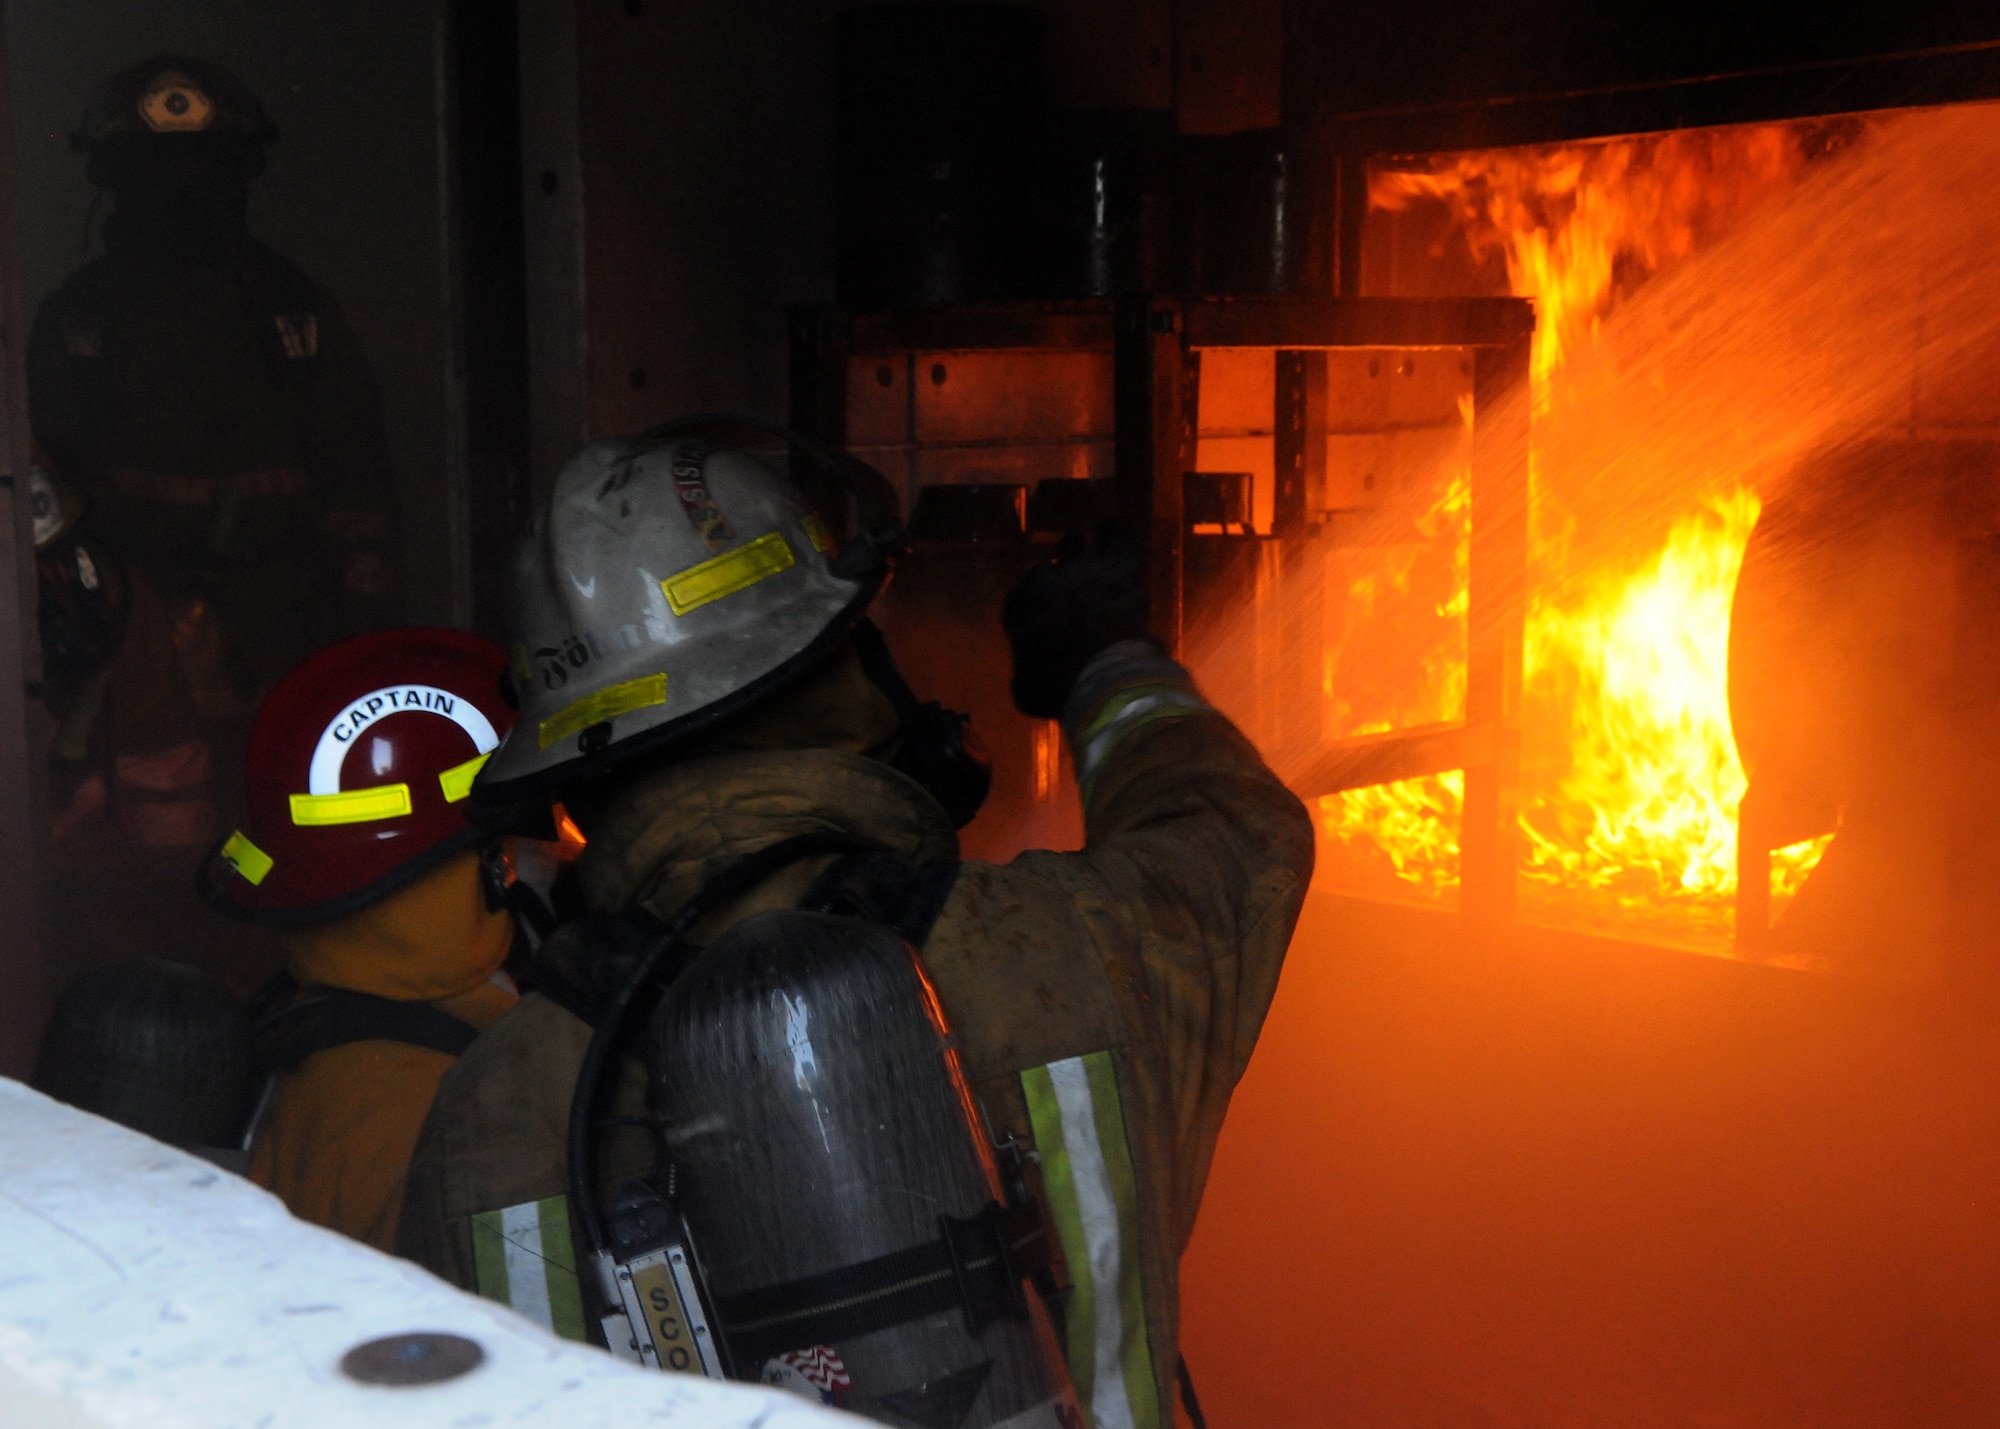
(389, 908)
(208, 395)
(112, 683)
(699, 684)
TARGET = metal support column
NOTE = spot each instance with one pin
(1350, 213)
(1299, 439)
(552, 235)
(1300, 433)
(1489, 839)
(1155, 391)
(819, 353)
(31, 982)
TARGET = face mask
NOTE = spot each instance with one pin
(177, 184)
(938, 748)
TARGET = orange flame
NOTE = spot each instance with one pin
(1414, 823)
(1580, 225)
(1631, 777)
(1644, 814)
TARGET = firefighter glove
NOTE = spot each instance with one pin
(1067, 610)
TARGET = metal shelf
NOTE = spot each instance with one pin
(1156, 343)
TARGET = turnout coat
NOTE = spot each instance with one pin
(1106, 1001)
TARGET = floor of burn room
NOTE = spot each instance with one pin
(1560, 1181)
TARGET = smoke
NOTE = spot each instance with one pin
(1821, 318)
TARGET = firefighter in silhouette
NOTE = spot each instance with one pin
(701, 687)
(125, 723)
(209, 396)
(388, 905)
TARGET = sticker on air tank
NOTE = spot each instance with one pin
(661, 1301)
(818, 1374)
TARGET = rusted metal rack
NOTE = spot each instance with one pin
(1156, 342)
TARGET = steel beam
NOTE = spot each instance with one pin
(1489, 838)
(1156, 385)
(1358, 322)
(1070, 327)
(1299, 431)
(24, 945)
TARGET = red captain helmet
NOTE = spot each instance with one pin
(357, 775)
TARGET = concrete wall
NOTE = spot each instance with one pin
(678, 179)
(248, 1313)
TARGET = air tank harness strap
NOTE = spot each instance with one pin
(334, 1017)
(975, 1266)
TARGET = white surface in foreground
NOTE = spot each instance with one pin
(141, 1286)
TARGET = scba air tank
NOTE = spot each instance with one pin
(839, 1187)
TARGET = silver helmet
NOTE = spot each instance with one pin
(672, 580)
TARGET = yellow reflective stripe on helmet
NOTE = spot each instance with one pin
(816, 532)
(727, 573)
(246, 858)
(355, 806)
(457, 780)
(639, 694)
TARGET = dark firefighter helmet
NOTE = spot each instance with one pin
(170, 103)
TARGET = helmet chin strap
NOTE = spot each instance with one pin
(938, 748)
(505, 893)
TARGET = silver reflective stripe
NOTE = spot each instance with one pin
(1123, 713)
(1092, 1189)
(521, 1245)
(1098, 1211)
(522, 1257)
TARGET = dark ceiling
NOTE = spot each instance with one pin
(1458, 72)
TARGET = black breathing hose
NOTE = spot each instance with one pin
(738, 878)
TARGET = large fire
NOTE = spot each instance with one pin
(1641, 806)
(1631, 777)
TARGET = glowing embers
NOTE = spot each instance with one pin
(1396, 659)
(1398, 842)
